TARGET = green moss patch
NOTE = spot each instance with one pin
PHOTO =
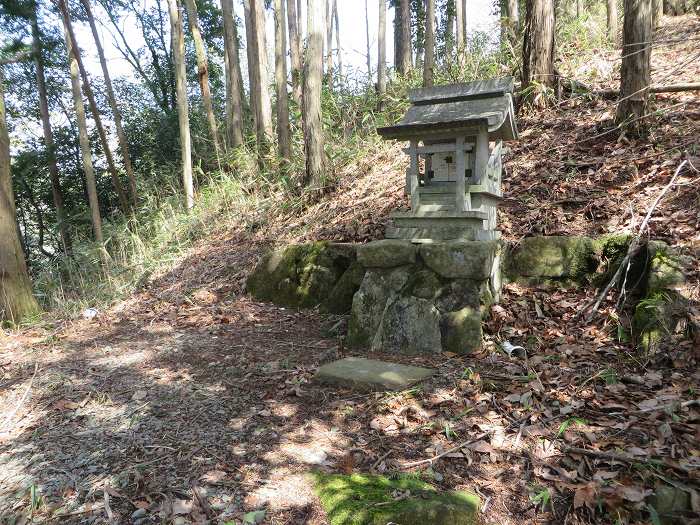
(552, 257)
(376, 500)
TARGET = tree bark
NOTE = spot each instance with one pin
(234, 92)
(16, 299)
(381, 51)
(404, 62)
(675, 7)
(294, 49)
(513, 19)
(313, 126)
(459, 17)
(450, 15)
(329, 41)
(87, 89)
(56, 191)
(538, 43)
(368, 52)
(658, 7)
(85, 150)
(635, 71)
(177, 38)
(337, 39)
(283, 132)
(257, 70)
(203, 74)
(121, 136)
(611, 12)
(429, 61)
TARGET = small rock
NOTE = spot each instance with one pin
(179, 520)
(254, 518)
(138, 513)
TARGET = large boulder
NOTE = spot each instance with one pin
(409, 325)
(386, 253)
(339, 301)
(300, 275)
(552, 257)
(369, 302)
(461, 259)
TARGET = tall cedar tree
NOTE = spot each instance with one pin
(56, 190)
(402, 26)
(294, 49)
(611, 12)
(85, 150)
(234, 87)
(313, 126)
(429, 61)
(203, 73)
(177, 41)
(257, 71)
(116, 113)
(381, 51)
(635, 72)
(538, 43)
(283, 139)
(16, 299)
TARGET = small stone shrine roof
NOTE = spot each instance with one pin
(455, 107)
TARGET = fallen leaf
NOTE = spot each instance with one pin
(214, 476)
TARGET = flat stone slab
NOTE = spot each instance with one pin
(371, 374)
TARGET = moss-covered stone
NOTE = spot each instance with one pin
(340, 299)
(300, 275)
(671, 504)
(461, 259)
(409, 325)
(375, 500)
(654, 318)
(387, 253)
(552, 257)
(461, 331)
(425, 284)
(666, 268)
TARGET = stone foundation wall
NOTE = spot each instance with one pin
(429, 298)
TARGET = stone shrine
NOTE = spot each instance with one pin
(454, 178)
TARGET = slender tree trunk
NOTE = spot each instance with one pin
(513, 20)
(257, 66)
(294, 49)
(56, 191)
(203, 73)
(121, 136)
(234, 93)
(16, 299)
(177, 39)
(313, 127)
(538, 43)
(450, 12)
(579, 8)
(329, 41)
(337, 40)
(85, 150)
(368, 52)
(658, 7)
(251, 61)
(403, 12)
(429, 63)
(87, 89)
(459, 17)
(464, 20)
(611, 12)
(635, 72)
(381, 51)
(281, 82)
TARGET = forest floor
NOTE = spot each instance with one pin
(191, 402)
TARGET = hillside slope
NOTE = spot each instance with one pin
(190, 399)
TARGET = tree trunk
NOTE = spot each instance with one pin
(459, 17)
(635, 72)
(178, 49)
(257, 70)
(675, 7)
(16, 299)
(85, 150)
(87, 89)
(337, 39)
(234, 92)
(658, 7)
(283, 132)
(403, 12)
(294, 49)
(579, 8)
(611, 12)
(450, 12)
(513, 20)
(203, 74)
(368, 52)
(121, 136)
(313, 126)
(429, 61)
(381, 51)
(538, 43)
(56, 191)
(329, 42)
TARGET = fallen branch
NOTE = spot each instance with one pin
(632, 250)
(622, 458)
(442, 454)
(611, 94)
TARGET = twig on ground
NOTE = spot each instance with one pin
(623, 458)
(442, 454)
(632, 250)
